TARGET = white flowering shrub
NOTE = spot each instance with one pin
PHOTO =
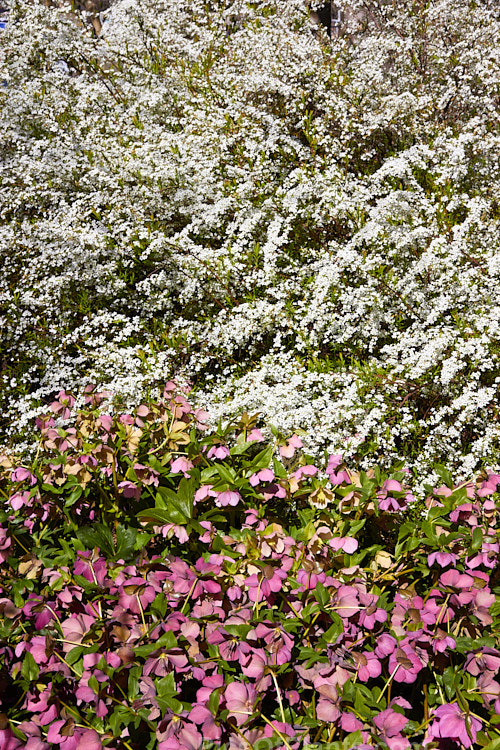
(305, 227)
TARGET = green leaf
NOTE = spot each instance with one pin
(449, 682)
(335, 629)
(125, 541)
(98, 535)
(75, 653)
(161, 517)
(226, 473)
(444, 474)
(322, 595)
(178, 504)
(477, 538)
(213, 702)
(261, 460)
(166, 642)
(75, 495)
(29, 669)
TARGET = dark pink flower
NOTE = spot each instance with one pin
(371, 614)
(305, 471)
(201, 716)
(265, 475)
(443, 641)
(390, 723)
(175, 732)
(277, 641)
(346, 601)
(453, 723)
(255, 435)
(405, 664)
(483, 660)
(367, 665)
(136, 594)
(442, 558)
(5, 545)
(74, 629)
(231, 647)
(203, 492)
(91, 567)
(327, 707)
(129, 489)
(263, 585)
(345, 543)
(21, 475)
(240, 700)
(161, 662)
(8, 741)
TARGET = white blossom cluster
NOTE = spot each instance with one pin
(305, 227)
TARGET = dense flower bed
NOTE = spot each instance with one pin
(214, 190)
(161, 588)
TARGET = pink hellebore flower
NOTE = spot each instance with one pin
(255, 435)
(146, 474)
(218, 451)
(240, 701)
(74, 630)
(181, 465)
(442, 558)
(228, 497)
(135, 594)
(129, 489)
(231, 647)
(161, 662)
(480, 605)
(347, 602)
(327, 707)
(264, 475)
(483, 660)
(390, 723)
(457, 581)
(176, 733)
(63, 404)
(451, 722)
(347, 544)
(310, 578)
(172, 529)
(288, 450)
(5, 544)
(337, 477)
(371, 614)
(18, 499)
(367, 665)
(278, 642)
(405, 665)
(442, 641)
(305, 471)
(489, 486)
(203, 717)
(8, 741)
(21, 475)
(263, 585)
(203, 492)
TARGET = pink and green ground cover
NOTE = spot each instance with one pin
(165, 588)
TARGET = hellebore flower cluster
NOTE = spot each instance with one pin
(171, 618)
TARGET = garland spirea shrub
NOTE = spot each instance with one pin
(162, 587)
(213, 190)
